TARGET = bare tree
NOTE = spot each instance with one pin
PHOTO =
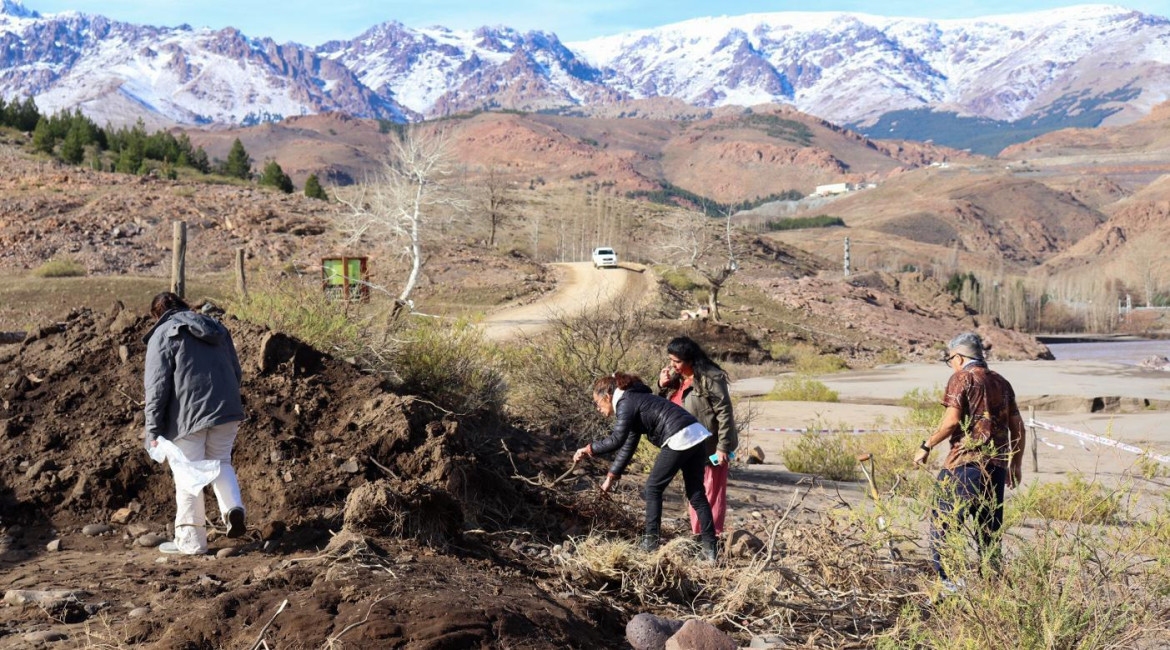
(412, 191)
(707, 247)
(496, 200)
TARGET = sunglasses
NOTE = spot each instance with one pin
(947, 361)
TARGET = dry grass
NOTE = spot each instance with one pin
(820, 583)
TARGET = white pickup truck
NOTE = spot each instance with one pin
(603, 257)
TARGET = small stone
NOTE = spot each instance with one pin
(53, 546)
(288, 477)
(150, 540)
(139, 612)
(756, 456)
(38, 467)
(768, 642)
(272, 530)
(124, 354)
(121, 516)
(45, 636)
(138, 530)
(351, 466)
(649, 632)
(276, 456)
(226, 552)
(93, 530)
(756, 514)
(743, 544)
(700, 635)
(162, 559)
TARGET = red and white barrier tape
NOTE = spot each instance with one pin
(799, 430)
(1100, 440)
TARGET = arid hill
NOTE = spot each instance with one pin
(1149, 135)
(724, 155)
(977, 216)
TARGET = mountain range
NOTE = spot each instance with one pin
(949, 80)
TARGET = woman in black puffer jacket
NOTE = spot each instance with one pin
(639, 412)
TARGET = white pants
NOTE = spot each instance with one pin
(208, 444)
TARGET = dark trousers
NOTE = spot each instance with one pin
(692, 462)
(969, 492)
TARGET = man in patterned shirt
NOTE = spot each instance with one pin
(983, 425)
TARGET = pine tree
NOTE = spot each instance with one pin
(238, 163)
(274, 176)
(24, 116)
(43, 136)
(3, 112)
(200, 162)
(313, 188)
(132, 158)
(73, 148)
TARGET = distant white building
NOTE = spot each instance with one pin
(834, 188)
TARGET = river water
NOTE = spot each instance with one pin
(1127, 352)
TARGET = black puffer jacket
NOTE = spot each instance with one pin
(639, 412)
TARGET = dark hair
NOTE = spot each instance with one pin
(606, 385)
(686, 350)
(164, 302)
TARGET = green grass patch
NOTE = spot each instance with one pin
(60, 268)
(801, 223)
(828, 455)
(801, 389)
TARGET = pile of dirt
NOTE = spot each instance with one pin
(907, 312)
(404, 499)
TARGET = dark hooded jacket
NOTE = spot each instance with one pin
(192, 376)
(640, 413)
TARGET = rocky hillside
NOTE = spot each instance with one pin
(733, 155)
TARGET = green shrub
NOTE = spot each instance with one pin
(819, 364)
(889, 357)
(828, 455)
(551, 376)
(450, 363)
(1074, 499)
(801, 389)
(925, 409)
(300, 309)
(59, 268)
(677, 279)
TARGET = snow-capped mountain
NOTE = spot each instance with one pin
(844, 67)
(118, 71)
(436, 71)
(849, 67)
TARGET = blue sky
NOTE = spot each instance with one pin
(312, 21)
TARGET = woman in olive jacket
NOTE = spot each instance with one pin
(695, 382)
(637, 412)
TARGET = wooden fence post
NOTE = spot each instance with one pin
(179, 260)
(1032, 435)
(241, 278)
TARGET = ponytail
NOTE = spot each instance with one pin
(606, 385)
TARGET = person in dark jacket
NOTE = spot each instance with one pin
(192, 382)
(695, 382)
(637, 412)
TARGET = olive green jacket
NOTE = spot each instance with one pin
(709, 400)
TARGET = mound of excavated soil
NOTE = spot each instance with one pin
(413, 498)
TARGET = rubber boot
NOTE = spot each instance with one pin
(708, 550)
(649, 542)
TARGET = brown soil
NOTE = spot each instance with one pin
(362, 503)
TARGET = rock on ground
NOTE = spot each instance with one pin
(744, 544)
(650, 632)
(700, 635)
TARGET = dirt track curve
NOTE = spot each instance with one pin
(580, 287)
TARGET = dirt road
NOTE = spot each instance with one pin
(579, 287)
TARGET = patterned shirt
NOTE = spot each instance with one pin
(986, 404)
